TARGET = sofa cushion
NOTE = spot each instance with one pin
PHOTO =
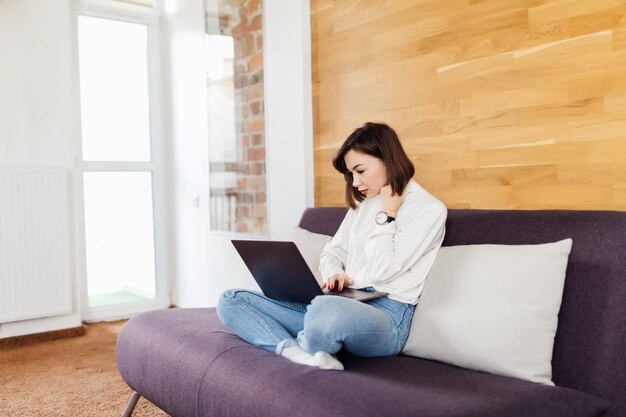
(310, 246)
(492, 308)
(187, 363)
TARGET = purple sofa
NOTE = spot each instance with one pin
(188, 364)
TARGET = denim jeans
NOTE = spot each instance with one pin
(378, 327)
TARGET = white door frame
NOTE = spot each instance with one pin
(148, 16)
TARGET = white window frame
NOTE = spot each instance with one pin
(111, 9)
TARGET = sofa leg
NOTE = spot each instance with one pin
(128, 412)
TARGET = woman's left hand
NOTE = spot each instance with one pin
(339, 279)
(390, 202)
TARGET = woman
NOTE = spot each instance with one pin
(387, 242)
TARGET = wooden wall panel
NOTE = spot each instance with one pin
(510, 104)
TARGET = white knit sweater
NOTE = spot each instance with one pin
(395, 257)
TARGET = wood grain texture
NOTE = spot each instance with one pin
(516, 104)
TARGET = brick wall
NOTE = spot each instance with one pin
(243, 20)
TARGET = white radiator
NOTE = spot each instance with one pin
(35, 244)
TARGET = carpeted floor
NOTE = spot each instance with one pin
(74, 377)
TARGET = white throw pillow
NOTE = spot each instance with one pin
(492, 308)
(310, 246)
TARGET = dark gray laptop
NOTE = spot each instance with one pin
(282, 273)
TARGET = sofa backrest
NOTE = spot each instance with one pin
(590, 346)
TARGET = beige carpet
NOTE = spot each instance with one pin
(74, 377)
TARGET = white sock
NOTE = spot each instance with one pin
(325, 360)
(322, 360)
(297, 355)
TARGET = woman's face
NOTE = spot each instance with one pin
(369, 174)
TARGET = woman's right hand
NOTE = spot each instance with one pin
(338, 280)
(390, 202)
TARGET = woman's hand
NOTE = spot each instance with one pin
(390, 202)
(337, 279)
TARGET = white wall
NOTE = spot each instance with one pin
(36, 85)
(289, 114)
(206, 263)
(37, 107)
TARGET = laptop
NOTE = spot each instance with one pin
(282, 273)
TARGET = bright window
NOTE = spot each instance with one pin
(119, 171)
(114, 90)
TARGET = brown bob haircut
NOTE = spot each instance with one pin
(380, 141)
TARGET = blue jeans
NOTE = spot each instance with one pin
(378, 327)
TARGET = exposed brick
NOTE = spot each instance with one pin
(255, 62)
(259, 211)
(244, 198)
(256, 78)
(253, 92)
(257, 23)
(261, 226)
(243, 211)
(241, 81)
(244, 22)
(254, 125)
(243, 13)
(256, 183)
(250, 46)
(239, 30)
(241, 54)
(258, 168)
(257, 140)
(246, 168)
(254, 154)
(254, 6)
